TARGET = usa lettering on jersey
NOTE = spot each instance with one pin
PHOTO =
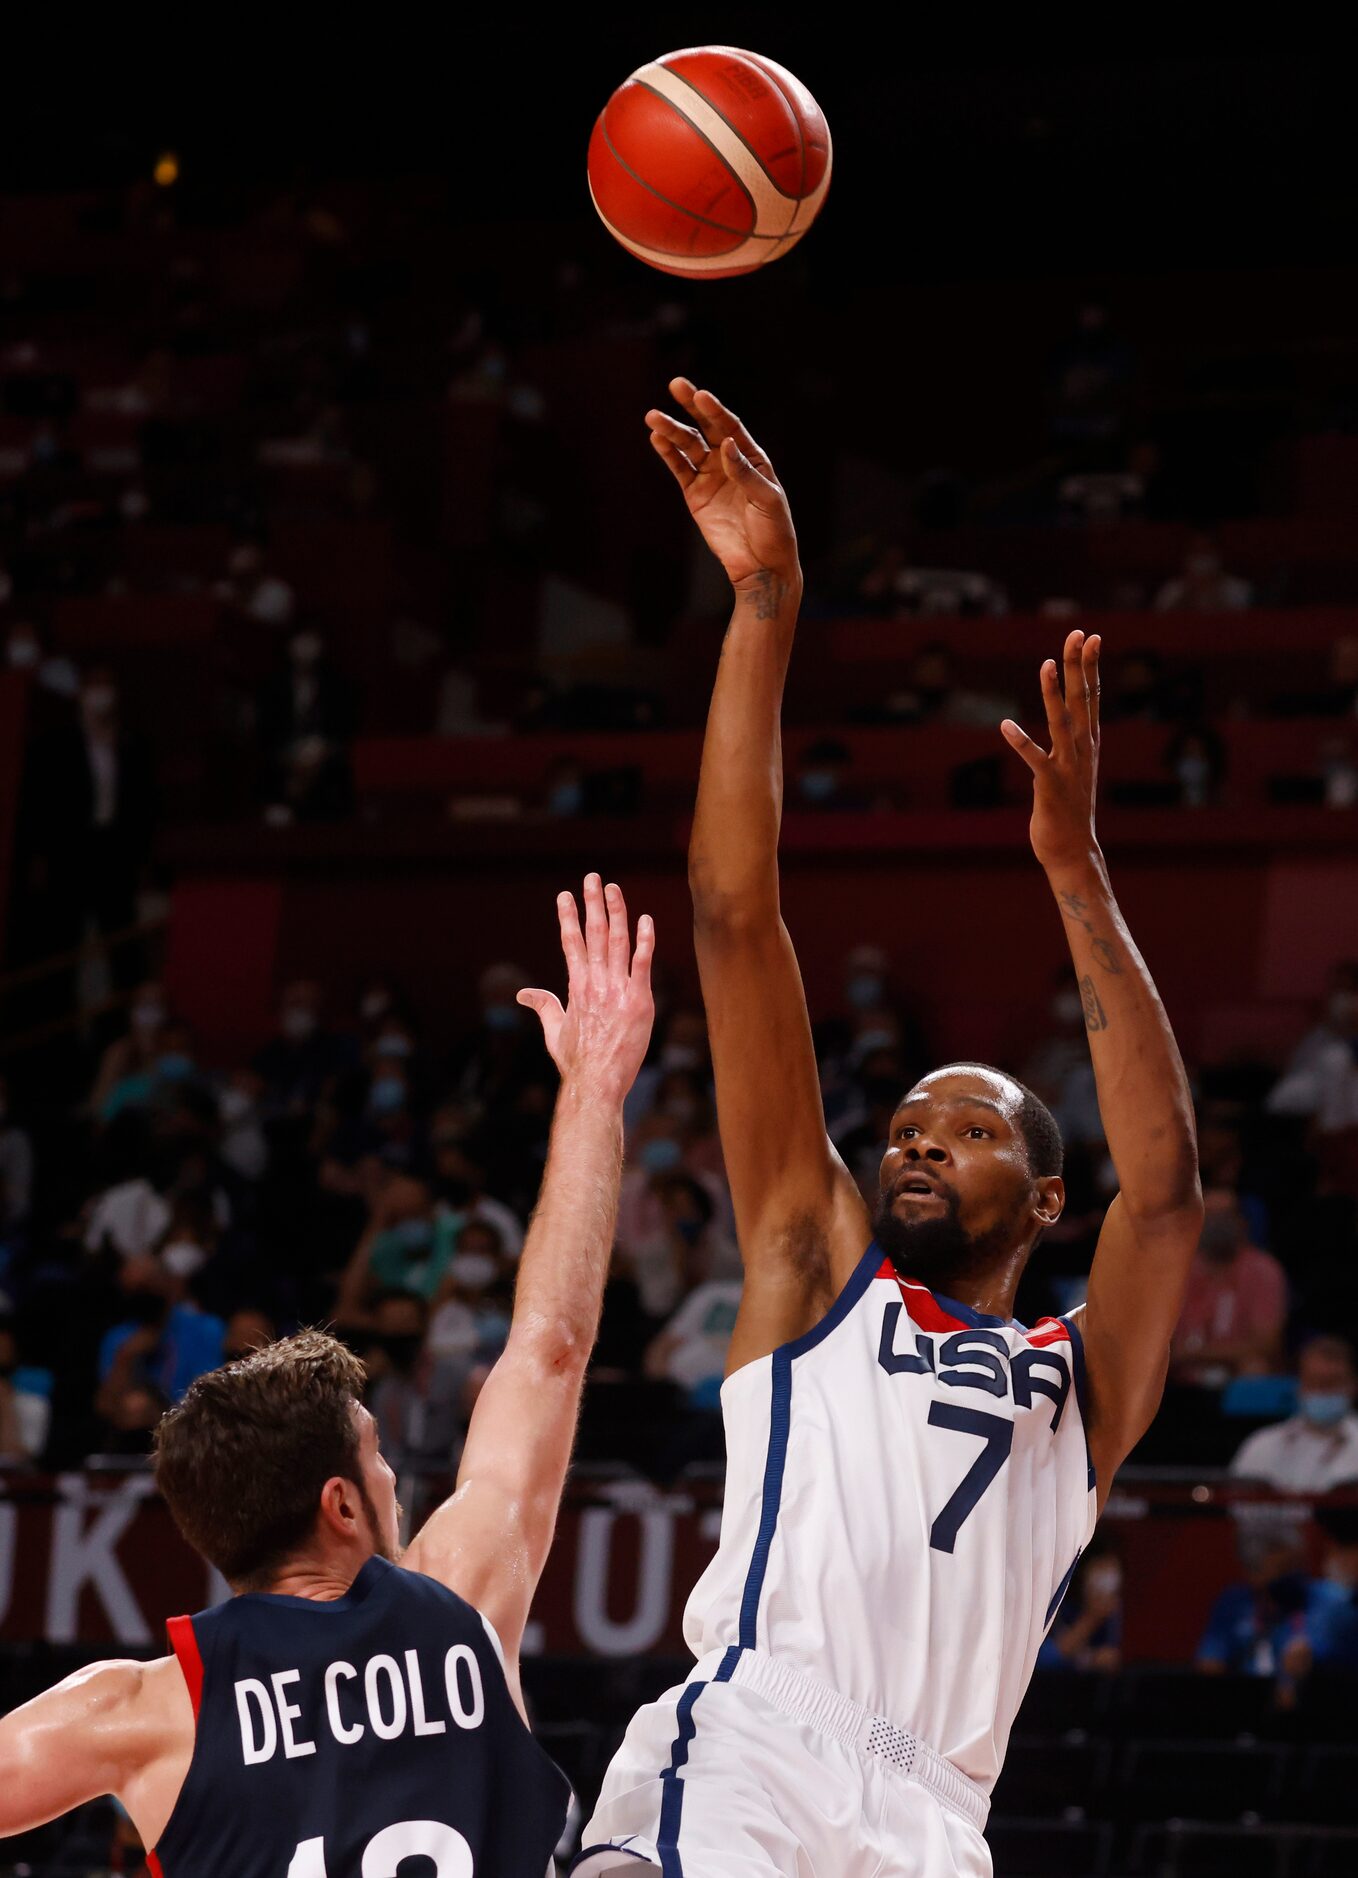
(385, 1697)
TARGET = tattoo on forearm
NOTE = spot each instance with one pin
(1104, 953)
(1096, 1018)
(767, 594)
(1074, 908)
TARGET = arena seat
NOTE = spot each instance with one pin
(1059, 1702)
(1026, 1848)
(1046, 1778)
(1179, 1702)
(1189, 1849)
(1193, 1779)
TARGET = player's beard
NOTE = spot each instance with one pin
(940, 1252)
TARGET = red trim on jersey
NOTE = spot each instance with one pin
(1048, 1330)
(923, 1306)
(153, 1866)
(185, 1646)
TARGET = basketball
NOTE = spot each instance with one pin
(709, 162)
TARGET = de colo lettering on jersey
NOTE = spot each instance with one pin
(979, 1359)
(385, 1695)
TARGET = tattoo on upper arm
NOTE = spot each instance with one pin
(1096, 1018)
(767, 594)
(1103, 952)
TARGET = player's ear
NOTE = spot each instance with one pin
(1051, 1199)
(341, 1510)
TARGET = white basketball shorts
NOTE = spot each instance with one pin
(764, 1772)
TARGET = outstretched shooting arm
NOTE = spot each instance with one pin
(800, 1220)
(1150, 1234)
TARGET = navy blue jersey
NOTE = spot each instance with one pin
(336, 1739)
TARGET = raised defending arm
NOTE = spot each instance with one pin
(800, 1220)
(1151, 1230)
(489, 1542)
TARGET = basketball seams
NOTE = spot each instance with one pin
(754, 155)
(794, 114)
(738, 180)
(669, 202)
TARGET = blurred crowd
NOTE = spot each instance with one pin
(361, 1172)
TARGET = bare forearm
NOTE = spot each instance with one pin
(733, 850)
(570, 1240)
(1144, 1098)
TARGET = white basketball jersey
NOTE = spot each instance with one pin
(908, 1489)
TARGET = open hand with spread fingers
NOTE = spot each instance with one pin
(732, 493)
(598, 1040)
(1065, 778)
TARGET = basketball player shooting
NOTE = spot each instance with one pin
(351, 1708)
(911, 1475)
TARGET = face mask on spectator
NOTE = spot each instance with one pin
(183, 1257)
(24, 654)
(375, 1004)
(271, 602)
(297, 1022)
(1323, 1408)
(174, 1066)
(501, 1017)
(818, 785)
(388, 1093)
(394, 1043)
(474, 1270)
(661, 1155)
(148, 1014)
(306, 649)
(865, 990)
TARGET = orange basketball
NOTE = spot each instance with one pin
(709, 162)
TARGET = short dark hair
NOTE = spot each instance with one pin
(243, 1458)
(1037, 1124)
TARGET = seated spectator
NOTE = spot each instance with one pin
(1059, 1068)
(1134, 690)
(1323, 1050)
(299, 1061)
(25, 1410)
(242, 1143)
(1203, 585)
(1195, 757)
(1236, 1304)
(866, 986)
(163, 1340)
(129, 1413)
(16, 1167)
(472, 1306)
(51, 672)
(660, 1151)
(1317, 1448)
(1333, 1634)
(306, 726)
(459, 1181)
(128, 1218)
(1087, 1635)
(680, 1043)
(132, 1055)
(691, 1349)
(1091, 375)
(686, 1246)
(398, 1250)
(938, 592)
(824, 778)
(416, 1396)
(1253, 1623)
